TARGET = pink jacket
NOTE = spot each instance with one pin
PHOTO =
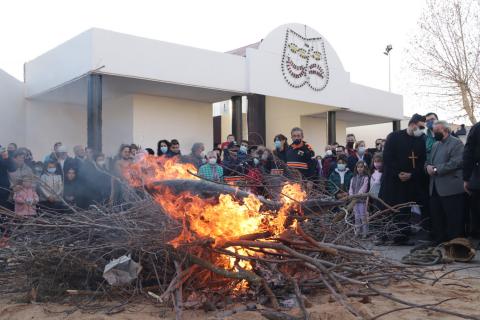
(25, 202)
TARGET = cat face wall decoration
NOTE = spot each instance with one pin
(304, 61)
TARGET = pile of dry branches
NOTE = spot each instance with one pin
(52, 254)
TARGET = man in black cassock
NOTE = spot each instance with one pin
(403, 178)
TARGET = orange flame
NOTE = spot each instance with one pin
(219, 219)
(146, 169)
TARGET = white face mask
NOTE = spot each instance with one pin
(101, 163)
(256, 161)
(52, 170)
(202, 154)
(341, 166)
(417, 132)
(328, 153)
(212, 161)
(361, 150)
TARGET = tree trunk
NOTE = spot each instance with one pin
(468, 104)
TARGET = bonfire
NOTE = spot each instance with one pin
(190, 243)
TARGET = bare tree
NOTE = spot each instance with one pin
(445, 54)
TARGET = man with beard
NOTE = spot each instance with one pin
(403, 179)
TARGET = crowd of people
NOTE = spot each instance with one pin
(424, 164)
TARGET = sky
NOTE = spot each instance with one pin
(358, 30)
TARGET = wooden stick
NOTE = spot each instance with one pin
(271, 295)
(178, 297)
(240, 274)
(301, 302)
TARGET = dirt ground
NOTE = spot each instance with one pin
(463, 286)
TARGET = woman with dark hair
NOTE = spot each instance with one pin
(163, 147)
(150, 151)
(281, 146)
(72, 188)
(174, 149)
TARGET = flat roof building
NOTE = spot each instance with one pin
(104, 88)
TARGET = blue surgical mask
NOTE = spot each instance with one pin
(361, 151)
(164, 149)
(278, 144)
(256, 161)
(52, 170)
(341, 166)
(430, 124)
(243, 149)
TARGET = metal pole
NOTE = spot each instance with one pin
(389, 75)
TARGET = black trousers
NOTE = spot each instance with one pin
(448, 216)
(474, 215)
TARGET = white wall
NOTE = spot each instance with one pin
(265, 77)
(372, 132)
(139, 57)
(49, 122)
(12, 110)
(315, 132)
(61, 64)
(283, 114)
(117, 118)
(156, 118)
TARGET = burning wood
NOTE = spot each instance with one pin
(194, 239)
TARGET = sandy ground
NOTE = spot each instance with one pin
(463, 286)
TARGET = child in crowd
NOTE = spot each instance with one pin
(211, 170)
(376, 177)
(51, 188)
(25, 197)
(339, 179)
(359, 185)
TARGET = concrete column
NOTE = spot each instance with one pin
(237, 126)
(331, 127)
(256, 119)
(396, 125)
(94, 112)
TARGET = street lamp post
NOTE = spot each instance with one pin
(387, 53)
